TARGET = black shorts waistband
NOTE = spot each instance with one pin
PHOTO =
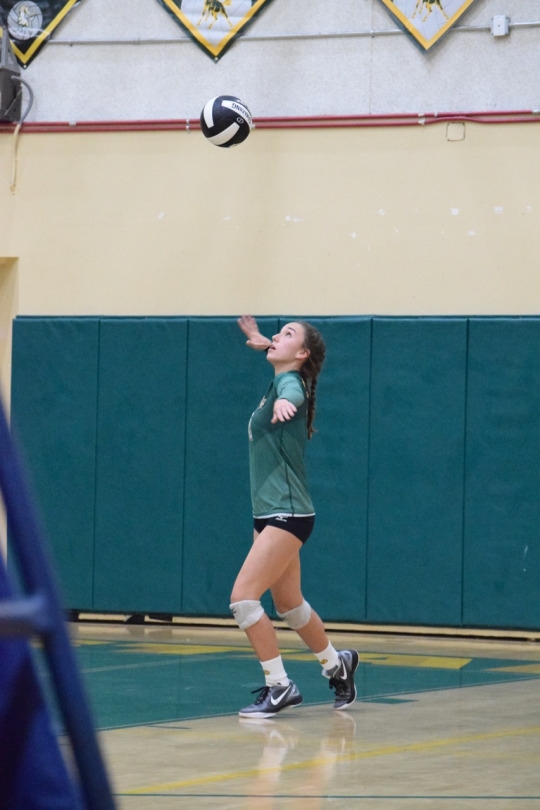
(300, 527)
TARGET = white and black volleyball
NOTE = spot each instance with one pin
(226, 121)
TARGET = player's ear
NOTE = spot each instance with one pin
(302, 354)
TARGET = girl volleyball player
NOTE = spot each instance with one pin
(283, 521)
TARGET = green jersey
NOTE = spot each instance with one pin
(276, 452)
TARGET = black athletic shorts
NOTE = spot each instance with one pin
(301, 527)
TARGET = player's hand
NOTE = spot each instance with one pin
(283, 411)
(255, 340)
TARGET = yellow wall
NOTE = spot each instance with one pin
(399, 221)
(330, 221)
(8, 310)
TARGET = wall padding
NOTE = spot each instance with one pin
(225, 383)
(502, 510)
(140, 465)
(424, 470)
(417, 426)
(337, 458)
(54, 402)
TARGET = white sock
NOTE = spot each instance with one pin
(274, 672)
(328, 659)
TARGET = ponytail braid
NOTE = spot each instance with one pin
(314, 343)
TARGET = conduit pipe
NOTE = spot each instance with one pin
(307, 122)
(278, 37)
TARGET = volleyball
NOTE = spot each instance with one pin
(226, 121)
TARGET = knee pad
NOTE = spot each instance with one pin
(298, 617)
(247, 613)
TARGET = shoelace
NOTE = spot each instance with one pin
(263, 693)
(341, 686)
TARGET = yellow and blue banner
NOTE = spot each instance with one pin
(214, 24)
(427, 20)
(30, 23)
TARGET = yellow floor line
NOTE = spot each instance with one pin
(388, 750)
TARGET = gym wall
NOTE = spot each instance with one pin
(329, 223)
(376, 220)
(424, 469)
(133, 215)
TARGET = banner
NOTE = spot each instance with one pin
(30, 23)
(214, 24)
(427, 20)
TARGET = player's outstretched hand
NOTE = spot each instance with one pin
(283, 411)
(255, 340)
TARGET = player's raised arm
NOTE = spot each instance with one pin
(255, 340)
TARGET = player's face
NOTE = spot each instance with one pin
(288, 345)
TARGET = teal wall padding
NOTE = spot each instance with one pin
(337, 462)
(54, 400)
(424, 469)
(502, 510)
(226, 382)
(140, 464)
(414, 557)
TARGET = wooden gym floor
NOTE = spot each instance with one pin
(446, 723)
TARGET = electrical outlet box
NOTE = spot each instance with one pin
(10, 96)
(500, 25)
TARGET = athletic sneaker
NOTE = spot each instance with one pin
(273, 699)
(342, 679)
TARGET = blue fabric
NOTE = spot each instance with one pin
(33, 775)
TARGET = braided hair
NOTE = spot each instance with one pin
(314, 343)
